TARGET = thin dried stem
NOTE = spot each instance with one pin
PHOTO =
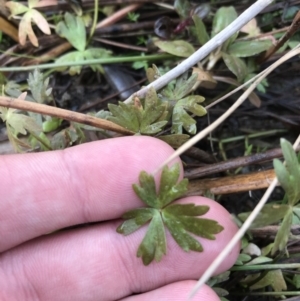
(23, 105)
(120, 14)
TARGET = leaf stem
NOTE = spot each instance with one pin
(266, 267)
(95, 19)
(282, 293)
(9, 102)
(47, 146)
(110, 60)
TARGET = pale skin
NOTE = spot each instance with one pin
(44, 192)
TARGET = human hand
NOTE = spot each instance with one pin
(44, 192)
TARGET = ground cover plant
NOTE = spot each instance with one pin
(68, 68)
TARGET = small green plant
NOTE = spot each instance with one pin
(18, 123)
(175, 95)
(180, 219)
(148, 116)
(73, 29)
(288, 211)
(133, 17)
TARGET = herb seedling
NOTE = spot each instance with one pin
(180, 219)
(72, 28)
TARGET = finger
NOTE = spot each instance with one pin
(43, 192)
(96, 262)
(177, 291)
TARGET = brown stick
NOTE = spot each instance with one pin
(234, 163)
(232, 184)
(9, 102)
(51, 54)
(120, 14)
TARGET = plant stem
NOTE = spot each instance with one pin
(47, 146)
(23, 105)
(95, 19)
(278, 294)
(110, 60)
(274, 266)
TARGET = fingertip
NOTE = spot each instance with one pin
(177, 291)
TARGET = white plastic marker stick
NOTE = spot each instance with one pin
(207, 48)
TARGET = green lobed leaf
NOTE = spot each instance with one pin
(39, 87)
(154, 244)
(201, 32)
(248, 48)
(19, 123)
(72, 28)
(184, 85)
(179, 218)
(125, 115)
(178, 47)
(152, 113)
(181, 119)
(235, 65)
(143, 119)
(190, 104)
